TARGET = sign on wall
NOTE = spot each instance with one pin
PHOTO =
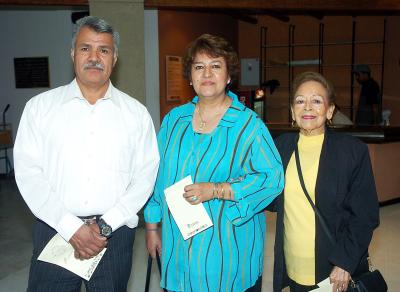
(249, 72)
(174, 77)
(31, 72)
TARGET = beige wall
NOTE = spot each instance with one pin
(392, 66)
(391, 85)
(386, 174)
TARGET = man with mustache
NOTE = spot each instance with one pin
(86, 159)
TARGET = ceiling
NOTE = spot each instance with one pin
(247, 7)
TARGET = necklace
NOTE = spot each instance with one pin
(203, 123)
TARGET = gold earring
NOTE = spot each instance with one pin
(294, 123)
(190, 83)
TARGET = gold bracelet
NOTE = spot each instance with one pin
(222, 192)
(218, 185)
(214, 190)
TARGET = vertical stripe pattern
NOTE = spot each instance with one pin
(228, 256)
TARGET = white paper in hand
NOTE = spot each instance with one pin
(324, 286)
(191, 219)
(61, 253)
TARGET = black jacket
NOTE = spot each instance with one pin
(346, 196)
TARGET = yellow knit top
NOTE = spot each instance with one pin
(299, 217)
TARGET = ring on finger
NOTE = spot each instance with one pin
(194, 198)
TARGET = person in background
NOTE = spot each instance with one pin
(369, 103)
(237, 172)
(86, 160)
(338, 177)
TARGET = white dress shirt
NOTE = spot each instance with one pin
(76, 159)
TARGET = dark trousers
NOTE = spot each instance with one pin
(296, 287)
(111, 275)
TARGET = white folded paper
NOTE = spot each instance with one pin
(61, 253)
(324, 286)
(191, 219)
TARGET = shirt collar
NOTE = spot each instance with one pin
(75, 92)
(228, 120)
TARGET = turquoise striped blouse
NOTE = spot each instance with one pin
(240, 150)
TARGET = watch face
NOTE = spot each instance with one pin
(106, 230)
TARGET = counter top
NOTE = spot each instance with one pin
(368, 134)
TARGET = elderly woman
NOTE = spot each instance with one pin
(339, 179)
(237, 172)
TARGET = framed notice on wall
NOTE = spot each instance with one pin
(31, 72)
(174, 78)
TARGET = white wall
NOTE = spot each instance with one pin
(32, 33)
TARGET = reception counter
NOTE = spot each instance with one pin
(384, 149)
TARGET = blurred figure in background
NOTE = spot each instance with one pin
(369, 103)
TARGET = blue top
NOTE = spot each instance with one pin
(240, 150)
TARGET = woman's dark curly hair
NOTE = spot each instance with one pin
(213, 46)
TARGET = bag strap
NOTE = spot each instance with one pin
(303, 186)
(148, 273)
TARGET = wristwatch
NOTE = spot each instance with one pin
(105, 229)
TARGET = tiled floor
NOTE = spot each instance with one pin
(16, 244)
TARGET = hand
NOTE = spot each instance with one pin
(340, 279)
(198, 193)
(87, 241)
(153, 243)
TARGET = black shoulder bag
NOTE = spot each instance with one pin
(371, 281)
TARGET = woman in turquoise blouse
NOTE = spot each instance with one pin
(236, 171)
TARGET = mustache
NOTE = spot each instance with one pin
(93, 65)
